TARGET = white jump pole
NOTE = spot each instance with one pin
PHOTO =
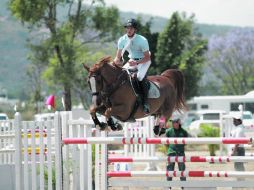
(180, 174)
(123, 140)
(212, 159)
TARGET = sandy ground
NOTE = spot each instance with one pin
(192, 151)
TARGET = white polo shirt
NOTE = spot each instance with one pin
(137, 47)
(238, 132)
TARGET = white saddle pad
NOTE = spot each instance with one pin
(153, 91)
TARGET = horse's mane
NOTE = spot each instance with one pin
(99, 64)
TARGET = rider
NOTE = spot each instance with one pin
(138, 49)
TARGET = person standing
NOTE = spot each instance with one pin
(238, 149)
(176, 149)
(138, 48)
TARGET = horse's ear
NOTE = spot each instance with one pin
(86, 67)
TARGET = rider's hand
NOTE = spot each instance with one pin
(117, 61)
(132, 62)
(119, 64)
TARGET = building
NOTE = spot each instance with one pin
(226, 103)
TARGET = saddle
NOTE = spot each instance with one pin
(153, 89)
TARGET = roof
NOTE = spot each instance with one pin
(249, 95)
(210, 111)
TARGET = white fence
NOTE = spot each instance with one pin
(33, 149)
(42, 162)
(30, 146)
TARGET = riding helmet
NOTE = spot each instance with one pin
(131, 22)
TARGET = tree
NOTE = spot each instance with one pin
(180, 46)
(34, 71)
(231, 58)
(70, 26)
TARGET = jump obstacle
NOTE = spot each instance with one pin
(129, 174)
(104, 141)
(65, 131)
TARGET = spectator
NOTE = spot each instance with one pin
(238, 149)
(176, 149)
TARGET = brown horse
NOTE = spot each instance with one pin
(113, 94)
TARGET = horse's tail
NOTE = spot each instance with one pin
(176, 76)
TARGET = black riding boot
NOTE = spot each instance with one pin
(145, 89)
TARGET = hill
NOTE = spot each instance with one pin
(13, 53)
(13, 49)
(158, 23)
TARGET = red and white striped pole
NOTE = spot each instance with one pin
(180, 174)
(213, 159)
(137, 140)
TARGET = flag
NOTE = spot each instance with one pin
(51, 101)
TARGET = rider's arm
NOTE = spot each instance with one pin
(117, 59)
(145, 58)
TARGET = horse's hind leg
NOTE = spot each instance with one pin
(156, 128)
(159, 129)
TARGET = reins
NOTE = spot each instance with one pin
(111, 88)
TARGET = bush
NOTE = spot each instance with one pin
(208, 130)
(162, 148)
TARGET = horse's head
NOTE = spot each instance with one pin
(98, 79)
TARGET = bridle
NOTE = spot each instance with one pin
(107, 88)
(92, 82)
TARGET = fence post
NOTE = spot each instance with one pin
(65, 117)
(58, 158)
(104, 163)
(18, 151)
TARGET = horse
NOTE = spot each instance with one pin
(113, 94)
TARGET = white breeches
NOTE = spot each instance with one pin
(142, 69)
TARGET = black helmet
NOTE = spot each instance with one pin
(131, 22)
(176, 120)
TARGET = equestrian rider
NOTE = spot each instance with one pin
(138, 49)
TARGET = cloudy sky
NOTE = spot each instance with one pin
(225, 12)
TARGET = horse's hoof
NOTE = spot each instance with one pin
(113, 127)
(156, 129)
(162, 131)
(103, 126)
(119, 127)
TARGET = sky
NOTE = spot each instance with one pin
(220, 12)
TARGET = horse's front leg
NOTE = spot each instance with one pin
(95, 119)
(113, 125)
